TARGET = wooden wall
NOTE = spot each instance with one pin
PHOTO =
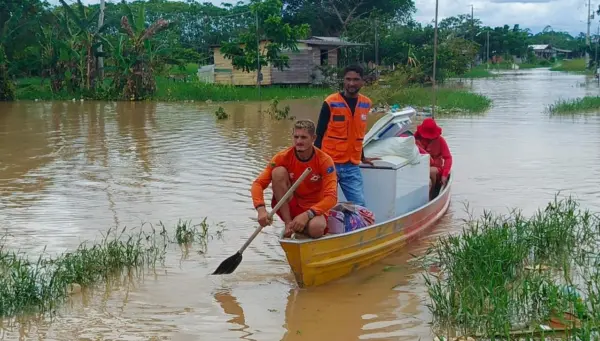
(299, 71)
(226, 74)
(301, 66)
(332, 58)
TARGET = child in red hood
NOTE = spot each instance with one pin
(428, 138)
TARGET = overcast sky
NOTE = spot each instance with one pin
(564, 15)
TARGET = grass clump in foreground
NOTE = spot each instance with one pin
(28, 286)
(509, 274)
(585, 104)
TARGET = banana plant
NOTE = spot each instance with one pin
(87, 39)
(411, 59)
(60, 58)
(137, 56)
(7, 89)
(8, 29)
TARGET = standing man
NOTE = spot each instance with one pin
(340, 132)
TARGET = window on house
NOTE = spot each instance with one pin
(324, 57)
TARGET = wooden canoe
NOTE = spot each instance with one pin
(396, 190)
(318, 261)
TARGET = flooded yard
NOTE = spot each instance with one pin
(71, 170)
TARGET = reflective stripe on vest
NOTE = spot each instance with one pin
(343, 140)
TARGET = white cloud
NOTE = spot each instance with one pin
(564, 15)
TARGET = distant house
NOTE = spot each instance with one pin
(546, 51)
(313, 52)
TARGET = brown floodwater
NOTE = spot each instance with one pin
(71, 170)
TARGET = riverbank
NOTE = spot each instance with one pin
(582, 105)
(509, 276)
(169, 91)
(485, 71)
(449, 99)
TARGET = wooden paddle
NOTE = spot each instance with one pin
(230, 264)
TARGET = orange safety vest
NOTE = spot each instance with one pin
(343, 140)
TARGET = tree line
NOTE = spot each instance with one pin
(66, 46)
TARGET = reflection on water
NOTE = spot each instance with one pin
(71, 170)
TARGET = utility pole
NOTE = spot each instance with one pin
(587, 37)
(376, 50)
(100, 61)
(472, 30)
(596, 58)
(258, 71)
(435, 45)
(472, 25)
(487, 60)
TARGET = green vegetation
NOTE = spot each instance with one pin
(397, 88)
(449, 100)
(169, 90)
(588, 104)
(143, 45)
(478, 72)
(39, 285)
(510, 274)
(571, 65)
(279, 114)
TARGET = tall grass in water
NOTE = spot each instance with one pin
(508, 274)
(28, 286)
(477, 72)
(570, 65)
(395, 88)
(588, 104)
(449, 100)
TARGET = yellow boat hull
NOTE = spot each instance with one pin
(318, 261)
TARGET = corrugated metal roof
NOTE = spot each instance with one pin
(329, 42)
(561, 50)
(540, 46)
(326, 38)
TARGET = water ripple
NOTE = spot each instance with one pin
(69, 171)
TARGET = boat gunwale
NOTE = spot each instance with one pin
(342, 235)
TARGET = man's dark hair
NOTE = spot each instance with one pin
(356, 68)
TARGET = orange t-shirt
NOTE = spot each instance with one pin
(318, 190)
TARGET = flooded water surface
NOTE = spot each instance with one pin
(71, 170)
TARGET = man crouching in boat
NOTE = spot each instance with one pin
(428, 138)
(307, 209)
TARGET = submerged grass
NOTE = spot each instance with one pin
(486, 71)
(450, 101)
(395, 88)
(37, 286)
(587, 104)
(571, 65)
(478, 72)
(511, 273)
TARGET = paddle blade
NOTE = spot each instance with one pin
(229, 265)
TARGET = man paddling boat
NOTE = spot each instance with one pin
(307, 210)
